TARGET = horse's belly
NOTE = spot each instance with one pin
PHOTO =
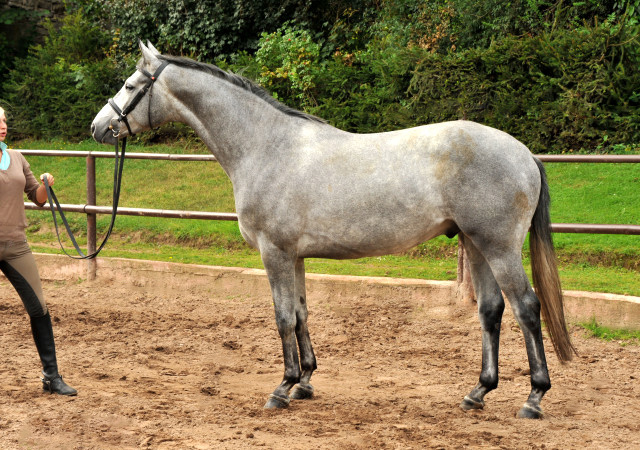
(358, 241)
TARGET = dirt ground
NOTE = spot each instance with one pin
(184, 362)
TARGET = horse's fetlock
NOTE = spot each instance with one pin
(540, 382)
(308, 365)
(489, 382)
(292, 378)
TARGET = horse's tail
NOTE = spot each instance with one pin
(545, 273)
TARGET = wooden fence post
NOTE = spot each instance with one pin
(91, 218)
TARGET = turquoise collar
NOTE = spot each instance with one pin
(5, 160)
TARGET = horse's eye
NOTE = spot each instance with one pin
(128, 87)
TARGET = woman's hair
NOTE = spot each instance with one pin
(1, 111)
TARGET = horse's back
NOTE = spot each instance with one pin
(444, 166)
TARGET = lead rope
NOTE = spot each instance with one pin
(117, 181)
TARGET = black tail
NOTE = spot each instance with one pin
(545, 273)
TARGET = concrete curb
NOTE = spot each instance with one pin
(611, 310)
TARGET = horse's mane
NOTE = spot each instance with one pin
(241, 82)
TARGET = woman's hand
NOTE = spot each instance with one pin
(50, 178)
(41, 193)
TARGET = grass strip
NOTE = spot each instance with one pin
(623, 337)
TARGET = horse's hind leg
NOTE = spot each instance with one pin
(512, 278)
(303, 390)
(490, 308)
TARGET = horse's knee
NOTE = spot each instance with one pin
(286, 323)
(301, 321)
(490, 313)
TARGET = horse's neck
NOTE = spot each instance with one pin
(235, 124)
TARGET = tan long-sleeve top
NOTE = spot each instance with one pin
(14, 181)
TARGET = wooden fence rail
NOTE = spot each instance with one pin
(464, 282)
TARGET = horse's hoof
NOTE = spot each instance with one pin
(530, 412)
(276, 401)
(469, 403)
(302, 392)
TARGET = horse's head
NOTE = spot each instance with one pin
(133, 109)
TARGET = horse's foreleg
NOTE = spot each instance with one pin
(304, 389)
(490, 309)
(280, 269)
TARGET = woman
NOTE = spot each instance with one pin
(16, 260)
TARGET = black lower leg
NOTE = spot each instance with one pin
(43, 336)
(280, 397)
(528, 315)
(490, 313)
(304, 389)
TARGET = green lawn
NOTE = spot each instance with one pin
(581, 193)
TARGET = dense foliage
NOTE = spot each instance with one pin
(207, 29)
(560, 76)
(555, 91)
(55, 90)
(17, 33)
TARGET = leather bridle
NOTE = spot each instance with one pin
(124, 112)
(119, 166)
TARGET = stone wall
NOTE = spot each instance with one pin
(24, 29)
(56, 7)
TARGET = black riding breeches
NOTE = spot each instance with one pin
(19, 266)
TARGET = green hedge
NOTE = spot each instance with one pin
(570, 89)
(557, 86)
(60, 86)
(209, 29)
(560, 91)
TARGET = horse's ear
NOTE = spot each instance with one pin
(152, 48)
(147, 54)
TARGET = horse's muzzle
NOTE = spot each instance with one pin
(103, 137)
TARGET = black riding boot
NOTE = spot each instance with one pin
(43, 336)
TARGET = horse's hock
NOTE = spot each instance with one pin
(616, 311)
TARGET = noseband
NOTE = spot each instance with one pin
(122, 113)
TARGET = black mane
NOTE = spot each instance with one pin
(241, 82)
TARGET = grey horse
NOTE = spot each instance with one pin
(305, 189)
